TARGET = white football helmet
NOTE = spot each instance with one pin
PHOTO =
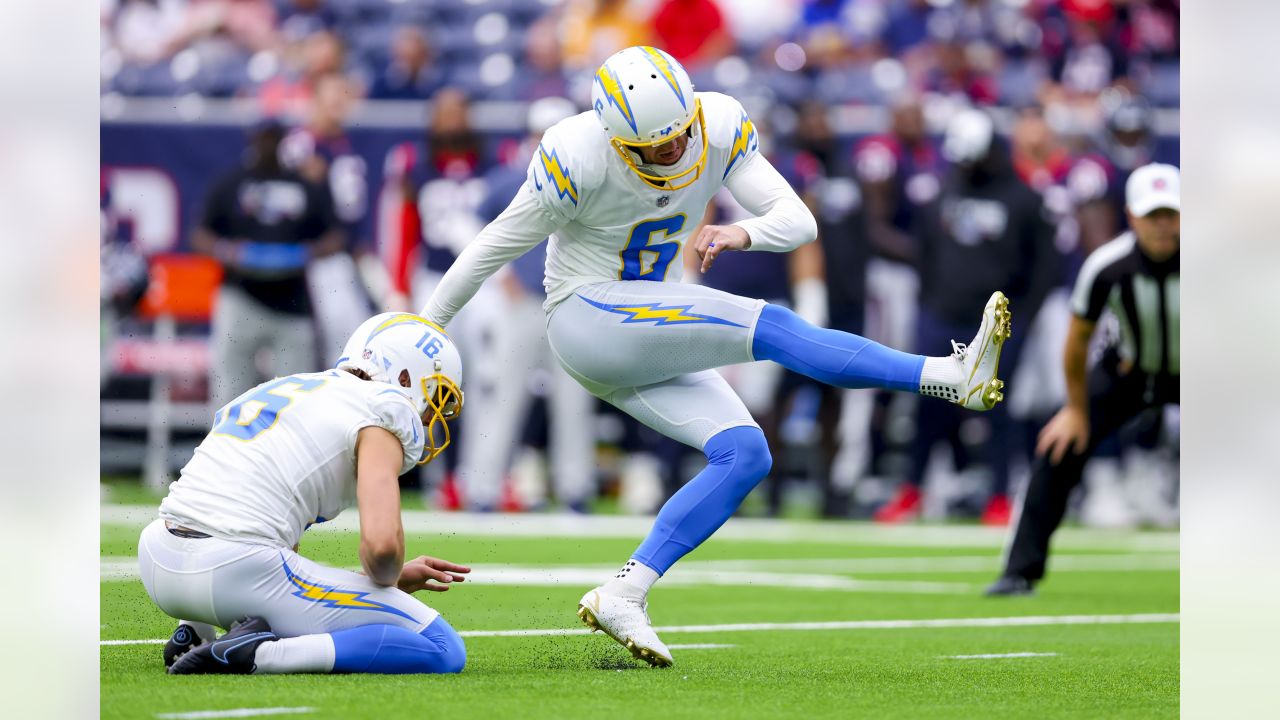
(411, 352)
(643, 97)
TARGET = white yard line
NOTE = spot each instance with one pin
(701, 646)
(942, 564)
(1022, 621)
(998, 656)
(237, 713)
(115, 569)
(756, 529)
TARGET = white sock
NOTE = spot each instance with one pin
(941, 377)
(633, 580)
(302, 654)
(205, 631)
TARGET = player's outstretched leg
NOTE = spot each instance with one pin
(251, 647)
(737, 460)
(967, 377)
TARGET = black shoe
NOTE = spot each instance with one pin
(1011, 586)
(183, 639)
(232, 653)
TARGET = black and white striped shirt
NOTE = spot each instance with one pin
(1142, 294)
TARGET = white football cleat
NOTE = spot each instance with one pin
(973, 382)
(626, 620)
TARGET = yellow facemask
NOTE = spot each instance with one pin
(668, 182)
(442, 406)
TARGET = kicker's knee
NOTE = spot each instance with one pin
(745, 448)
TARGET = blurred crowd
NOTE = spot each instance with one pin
(1009, 52)
(985, 177)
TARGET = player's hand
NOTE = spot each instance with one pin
(1068, 430)
(420, 571)
(715, 239)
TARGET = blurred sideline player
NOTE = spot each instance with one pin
(291, 452)
(1136, 277)
(620, 190)
(428, 211)
(519, 349)
(321, 152)
(265, 224)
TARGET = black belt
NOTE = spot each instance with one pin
(183, 532)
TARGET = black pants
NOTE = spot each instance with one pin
(1114, 400)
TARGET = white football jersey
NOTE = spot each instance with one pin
(282, 456)
(615, 225)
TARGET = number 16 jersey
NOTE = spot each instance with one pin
(283, 456)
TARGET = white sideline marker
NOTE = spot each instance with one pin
(1018, 621)
(701, 646)
(998, 656)
(236, 713)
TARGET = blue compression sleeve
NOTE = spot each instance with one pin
(273, 256)
(737, 460)
(830, 356)
(393, 650)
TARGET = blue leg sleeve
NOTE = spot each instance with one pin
(737, 460)
(830, 356)
(393, 650)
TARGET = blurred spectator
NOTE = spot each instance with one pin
(322, 153)
(752, 29)
(145, 31)
(595, 29)
(987, 230)
(1082, 40)
(322, 53)
(411, 74)
(264, 223)
(965, 71)
(907, 28)
(249, 25)
(300, 19)
(900, 171)
(1126, 139)
(692, 31)
(543, 72)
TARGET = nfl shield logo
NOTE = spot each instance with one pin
(662, 201)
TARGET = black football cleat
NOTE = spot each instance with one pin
(1011, 586)
(230, 654)
(182, 640)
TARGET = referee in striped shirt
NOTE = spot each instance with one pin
(1135, 276)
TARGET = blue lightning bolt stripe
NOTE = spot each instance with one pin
(330, 596)
(744, 140)
(662, 63)
(659, 315)
(612, 88)
(558, 175)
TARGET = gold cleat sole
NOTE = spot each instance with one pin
(1003, 319)
(646, 655)
(589, 619)
(991, 394)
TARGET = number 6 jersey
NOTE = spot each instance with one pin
(282, 456)
(607, 224)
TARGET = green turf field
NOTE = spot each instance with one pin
(1118, 657)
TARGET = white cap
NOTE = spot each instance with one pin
(1152, 187)
(968, 137)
